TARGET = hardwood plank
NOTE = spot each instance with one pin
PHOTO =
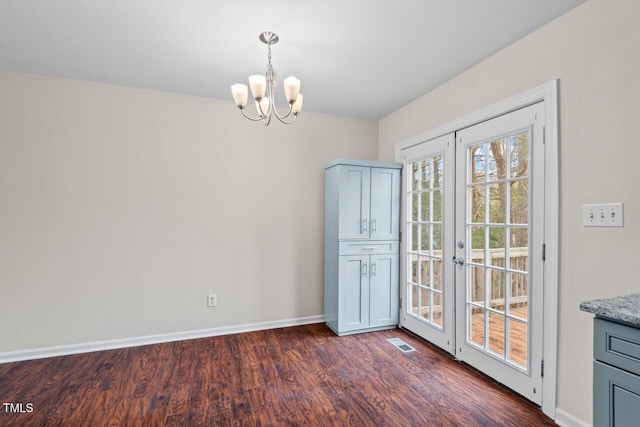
(292, 376)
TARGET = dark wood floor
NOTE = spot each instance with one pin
(294, 376)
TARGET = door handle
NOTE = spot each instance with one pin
(373, 225)
(458, 261)
(364, 225)
(364, 269)
(373, 269)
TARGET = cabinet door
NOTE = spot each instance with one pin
(355, 185)
(385, 204)
(353, 295)
(616, 397)
(384, 289)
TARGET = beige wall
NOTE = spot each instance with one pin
(595, 52)
(122, 208)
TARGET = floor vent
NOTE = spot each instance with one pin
(404, 347)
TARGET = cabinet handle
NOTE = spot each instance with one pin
(373, 225)
(364, 269)
(369, 248)
(373, 270)
(364, 225)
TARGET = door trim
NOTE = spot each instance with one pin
(547, 93)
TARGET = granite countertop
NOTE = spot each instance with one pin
(625, 309)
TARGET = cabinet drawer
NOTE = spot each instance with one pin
(617, 345)
(373, 248)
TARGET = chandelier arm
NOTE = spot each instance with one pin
(285, 116)
(295, 117)
(250, 118)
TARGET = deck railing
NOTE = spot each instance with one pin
(518, 261)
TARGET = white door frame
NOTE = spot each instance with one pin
(547, 93)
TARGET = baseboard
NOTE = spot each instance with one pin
(565, 419)
(64, 350)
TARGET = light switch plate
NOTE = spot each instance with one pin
(602, 215)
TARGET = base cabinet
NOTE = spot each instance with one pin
(616, 375)
(616, 397)
(368, 295)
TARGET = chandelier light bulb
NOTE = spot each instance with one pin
(258, 84)
(291, 88)
(240, 94)
(263, 90)
(297, 106)
(263, 107)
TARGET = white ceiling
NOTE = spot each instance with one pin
(361, 58)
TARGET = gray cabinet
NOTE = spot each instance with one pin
(369, 198)
(616, 375)
(362, 231)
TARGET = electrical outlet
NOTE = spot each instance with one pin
(212, 300)
(602, 215)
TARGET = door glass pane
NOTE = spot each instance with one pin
(497, 199)
(414, 207)
(425, 305)
(438, 171)
(476, 285)
(519, 213)
(519, 248)
(425, 206)
(414, 233)
(436, 236)
(476, 333)
(413, 277)
(496, 286)
(518, 342)
(477, 163)
(518, 298)
(424, 271)
(415, 177)
(496, 333)
(437, 205)
(477, 203)
(425, 238)
(497, 249)
(425, 179)
(412, 299)
(496, 238)
(519, 150)
(496, 160)
(437, 308)
(437, 282)
(476, 240)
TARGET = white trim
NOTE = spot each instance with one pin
(64, 350)
(537, 94)
(548, 93)
(551, 237)
(565, 419)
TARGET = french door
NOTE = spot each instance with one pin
(474, 205)
(428, 185)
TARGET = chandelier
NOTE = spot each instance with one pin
(263, 91)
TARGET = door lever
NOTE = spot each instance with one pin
(458, 261)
